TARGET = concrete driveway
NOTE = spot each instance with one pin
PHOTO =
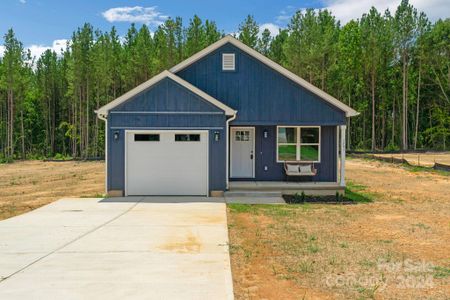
(119, 248)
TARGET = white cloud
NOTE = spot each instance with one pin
(286, 14)
(136, 14)
(346, 10)
(434, 9)
(2, 50)
(23, 1)
(273, 28)
(57, 45)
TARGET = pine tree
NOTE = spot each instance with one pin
(248, 32)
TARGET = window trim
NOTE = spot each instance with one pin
(234, 62)
(299, 144)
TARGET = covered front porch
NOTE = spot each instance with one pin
(256, 161)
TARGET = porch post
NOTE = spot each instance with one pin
(342, 139)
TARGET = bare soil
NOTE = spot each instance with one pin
(396, 247)
(426, 159)
(27, 185)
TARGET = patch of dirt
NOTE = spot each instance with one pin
(318, 251)
(27, 185)
(190, 245)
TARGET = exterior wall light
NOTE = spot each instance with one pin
(116, 135)
(265, 133)
(216, 136)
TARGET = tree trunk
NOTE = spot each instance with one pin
(348, 123)
(373, 110)
(417, 107)
(22, 133)
(405, 104)
(393, 123)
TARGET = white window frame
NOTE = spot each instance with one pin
(299, 144)
(234, 62)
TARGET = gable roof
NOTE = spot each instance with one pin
(103, 111)
(349, 112)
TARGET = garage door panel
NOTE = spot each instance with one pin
(167, 167)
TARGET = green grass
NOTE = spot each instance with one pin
(278, 210)
(441, 272)
(94, 196)
(357, 193)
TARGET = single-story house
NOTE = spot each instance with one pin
(227, 118)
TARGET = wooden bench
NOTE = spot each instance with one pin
(295, 169)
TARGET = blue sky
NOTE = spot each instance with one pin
(42, 24)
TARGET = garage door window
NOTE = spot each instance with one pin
(187, 137)
(146, 137)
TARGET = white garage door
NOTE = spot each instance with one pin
(166, 163)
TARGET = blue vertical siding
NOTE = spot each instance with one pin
(261, 95)
(165, 106)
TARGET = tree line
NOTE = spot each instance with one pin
(392, 68)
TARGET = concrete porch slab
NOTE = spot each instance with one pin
(287, 188)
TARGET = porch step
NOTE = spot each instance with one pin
(249, 193)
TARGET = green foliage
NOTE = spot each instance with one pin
(248, 32)
(393, 69)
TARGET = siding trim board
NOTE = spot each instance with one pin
(165, 128)
(168, 112)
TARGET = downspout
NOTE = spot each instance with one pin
(103, 118)
(228, 148)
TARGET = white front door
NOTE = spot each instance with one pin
(242, 152)
(166, 163)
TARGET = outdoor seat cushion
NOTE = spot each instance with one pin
(292, 168)
(305, 169)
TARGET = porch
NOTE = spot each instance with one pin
(284, 188)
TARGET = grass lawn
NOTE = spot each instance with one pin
(392, 244)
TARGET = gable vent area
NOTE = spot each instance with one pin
(228, 62)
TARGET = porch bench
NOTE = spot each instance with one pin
(295, 168)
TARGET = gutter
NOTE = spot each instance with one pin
(227, 167)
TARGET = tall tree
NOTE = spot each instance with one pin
(276, 51)
(406, 32)
(195, 36)
(248, 32)
(13, 65)
(263, 45)
(372, 30)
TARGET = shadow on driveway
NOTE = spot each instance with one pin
(163, 199)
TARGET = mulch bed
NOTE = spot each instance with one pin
(298, 199)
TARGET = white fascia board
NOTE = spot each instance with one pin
(103, 111)
(349, 112)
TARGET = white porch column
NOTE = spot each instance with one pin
(342, 165)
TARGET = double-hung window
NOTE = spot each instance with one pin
(298, 143)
